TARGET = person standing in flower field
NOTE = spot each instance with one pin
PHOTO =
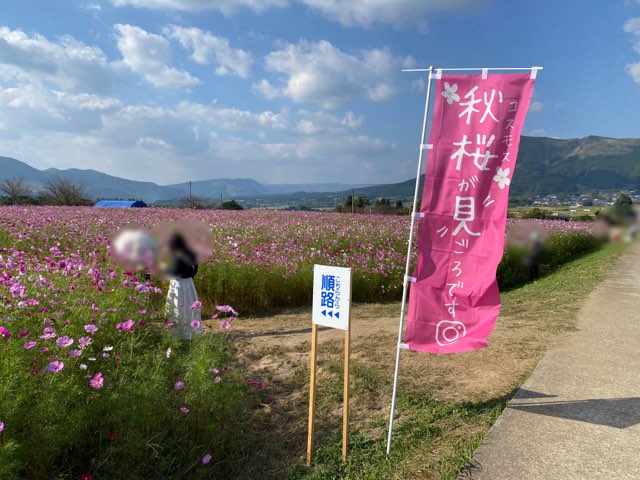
(182, 307)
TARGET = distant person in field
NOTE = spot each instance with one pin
(182, 306)
(534, 256)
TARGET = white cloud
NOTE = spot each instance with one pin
(231, 118)
(227, 7)
(399, 13)
(633, 70)
(323, 74)
(365, 13)
(207, 48)
(148, 55)
(314, 123)
(632, 27)
(68, 63)
(536, 132)
(265, 88)
(95, 7)
(536, 107)
(34, 108)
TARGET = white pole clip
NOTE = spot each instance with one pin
(417, 214)
(437, 75)
(410, 279)
(404, 346)
(534, 72)
(485, 73)
(426, 146)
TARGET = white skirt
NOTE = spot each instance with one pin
(182, 294)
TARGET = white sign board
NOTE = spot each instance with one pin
(331, 296)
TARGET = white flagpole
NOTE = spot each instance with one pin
(406, 271)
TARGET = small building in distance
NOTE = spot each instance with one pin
(121, 204)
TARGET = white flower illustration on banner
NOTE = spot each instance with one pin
(450, 93)
(502, 177)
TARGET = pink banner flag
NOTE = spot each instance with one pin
(454, 300)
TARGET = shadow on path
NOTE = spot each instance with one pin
(611, 412)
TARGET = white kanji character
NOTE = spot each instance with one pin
(486, 156)
(488, 104)
(465, 212)
(464, 185)
(505, 157)
(510, 123)
(470, 104)
(461, 152)
(480, 159)
(452, 308)
(464, 242)
(507, 140)
(515, 107)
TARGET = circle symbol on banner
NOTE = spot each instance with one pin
(449, 332)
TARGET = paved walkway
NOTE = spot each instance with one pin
(578, 415)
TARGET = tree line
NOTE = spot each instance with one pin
(55, 191)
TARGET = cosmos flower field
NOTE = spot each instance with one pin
(93, 383)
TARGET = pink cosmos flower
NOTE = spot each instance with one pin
(29, 345)
(90, 328)
(226, 309)
(214, 370)
(5, 333)
(55, 367)
(43, 349)
(1, 426)
(125, 326)
(64, 342)
(75, 353)
(168, 352)
(84, 342)
(217, 379)
(195, 324)
(197, 305)
(49, 332)
(206, 458)
(179, 385)
(24, 333)
(225, 324)
(184, 409)
(97, 381)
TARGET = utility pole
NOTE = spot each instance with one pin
(353, 199)
(189, 188)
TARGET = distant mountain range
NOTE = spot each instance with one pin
(102, 186)
(545, 166)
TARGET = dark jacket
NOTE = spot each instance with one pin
(183, 266)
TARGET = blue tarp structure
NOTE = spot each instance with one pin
(121, 204)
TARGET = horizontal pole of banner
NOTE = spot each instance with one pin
(467, 69)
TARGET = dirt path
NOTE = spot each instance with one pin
(293, 328)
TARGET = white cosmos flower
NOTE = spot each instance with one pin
(502, 177)
(83, 366)
(450, 93)
(107, 348)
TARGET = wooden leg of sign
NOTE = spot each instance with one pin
(312, 390)
(345, 405)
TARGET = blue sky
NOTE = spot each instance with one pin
(290, 91)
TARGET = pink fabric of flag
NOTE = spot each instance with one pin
(454, 302)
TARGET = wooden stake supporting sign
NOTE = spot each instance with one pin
(331, 308)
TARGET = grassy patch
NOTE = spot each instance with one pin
(446, 403)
